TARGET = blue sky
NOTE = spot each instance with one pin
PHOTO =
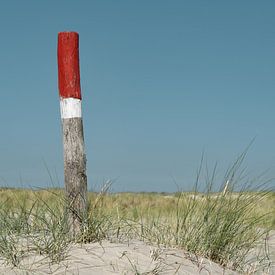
(162, 81)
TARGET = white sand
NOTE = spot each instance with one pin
(135, 257)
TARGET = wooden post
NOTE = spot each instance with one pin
(73, 139)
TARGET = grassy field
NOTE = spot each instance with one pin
(221, 226)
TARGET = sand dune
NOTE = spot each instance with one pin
(134, 257)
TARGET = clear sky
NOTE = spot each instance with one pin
(162, 81)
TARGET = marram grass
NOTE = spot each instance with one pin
(223, 225)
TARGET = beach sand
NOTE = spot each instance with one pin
(133, 257)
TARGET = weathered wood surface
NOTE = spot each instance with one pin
(75, 171)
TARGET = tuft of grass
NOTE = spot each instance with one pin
(36, 222)
(220, 226)
(96, 223)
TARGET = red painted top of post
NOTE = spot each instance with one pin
(68, 65)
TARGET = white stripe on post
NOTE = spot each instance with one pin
(70, 107)
(73, 140)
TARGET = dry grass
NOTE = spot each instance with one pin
(223, 226)
(218, 226)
